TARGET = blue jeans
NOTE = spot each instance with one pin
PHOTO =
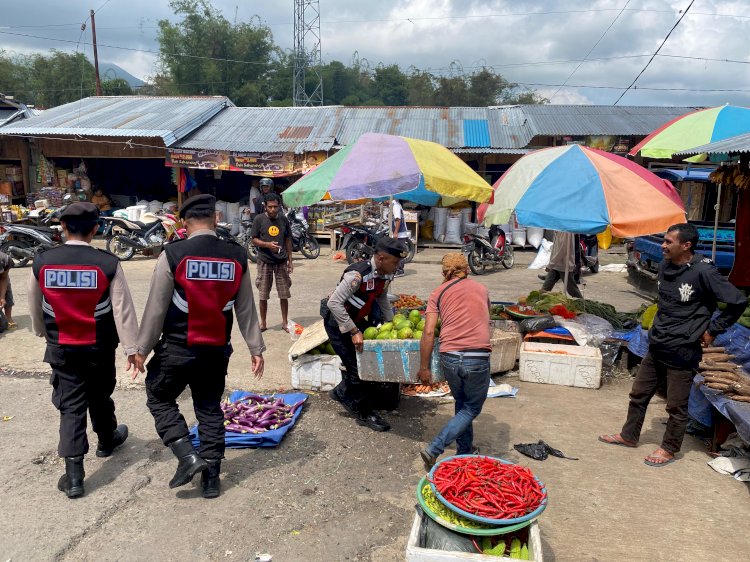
(469, 379)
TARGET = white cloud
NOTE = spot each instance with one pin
(434, 33)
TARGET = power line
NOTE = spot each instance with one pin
(591, 49)
(649, 88)
(656, 53)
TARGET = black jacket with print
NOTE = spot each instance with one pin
(688, 297)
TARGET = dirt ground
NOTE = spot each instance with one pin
(336, 491)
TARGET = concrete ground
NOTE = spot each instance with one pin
(334, 490)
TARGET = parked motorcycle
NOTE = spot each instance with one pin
(359, 242)
(484, 252)
(23, 241)
(125, 237)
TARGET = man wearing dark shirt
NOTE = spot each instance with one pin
(689, 289)
(273, 237)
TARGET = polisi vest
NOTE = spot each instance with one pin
(76, 304)
(360, 304)
(207, 274)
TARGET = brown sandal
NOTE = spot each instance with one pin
(616, 439)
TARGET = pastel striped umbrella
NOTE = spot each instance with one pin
(378, 166)
(579, 189)
(695, 129)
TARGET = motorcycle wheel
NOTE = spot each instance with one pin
(509, 258)
(309, 247)
(356, 252)
(122, 251)
(17, 262)
(252, 252)
(412, 248)
(476, 262)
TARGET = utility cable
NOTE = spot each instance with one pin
(656, 53)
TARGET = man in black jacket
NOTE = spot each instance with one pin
(689, 289)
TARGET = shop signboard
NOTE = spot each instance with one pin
(275, 164)
(202, 159)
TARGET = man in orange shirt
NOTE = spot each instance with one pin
(463, 306)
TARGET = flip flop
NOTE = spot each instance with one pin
(664, 460)
(263, 329)
(613, 440)
(12, 325)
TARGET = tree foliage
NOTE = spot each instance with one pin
(202, 53)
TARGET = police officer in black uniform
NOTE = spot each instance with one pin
(196, 283)
(361, 294)
(79, 301)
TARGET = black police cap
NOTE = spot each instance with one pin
(80, 212)
(199, 203)
(392, 246)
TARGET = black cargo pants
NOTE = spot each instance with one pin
(351, 389)
(175, 367)
(82, 380)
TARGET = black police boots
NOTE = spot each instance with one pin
(373, 421)
(72, 481)
(105, 448)
(189, 463)
(210, 479)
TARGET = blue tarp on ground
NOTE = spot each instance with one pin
(266, 439)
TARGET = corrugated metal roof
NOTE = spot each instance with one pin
(740, 143)
(268, 129)
(485, 150)
(170, 118)
(443, 125)
(558, 120)
(510, 127)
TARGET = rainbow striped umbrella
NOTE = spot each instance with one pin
(378, 166)
(579, 189)
(695, 129)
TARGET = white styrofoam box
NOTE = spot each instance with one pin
(566, 365)
(415, 553)
(316, 372)
(505, 346)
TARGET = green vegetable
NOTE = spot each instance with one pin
(721, 305)
(446, 514)
(524, 552)
(745, 321)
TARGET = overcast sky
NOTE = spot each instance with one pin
(538, 42)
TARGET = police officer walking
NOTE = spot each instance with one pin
(196, 283)
(79, 300)
(361, 294)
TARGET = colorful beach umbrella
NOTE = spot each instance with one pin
(378, 166)
(579, 189)
(695, 129)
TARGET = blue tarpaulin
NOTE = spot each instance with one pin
(266, 439)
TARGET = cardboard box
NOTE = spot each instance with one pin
(414, 553)
(565, 365)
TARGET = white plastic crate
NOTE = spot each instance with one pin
(415, 553)
(316, 372)
(566, 365)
